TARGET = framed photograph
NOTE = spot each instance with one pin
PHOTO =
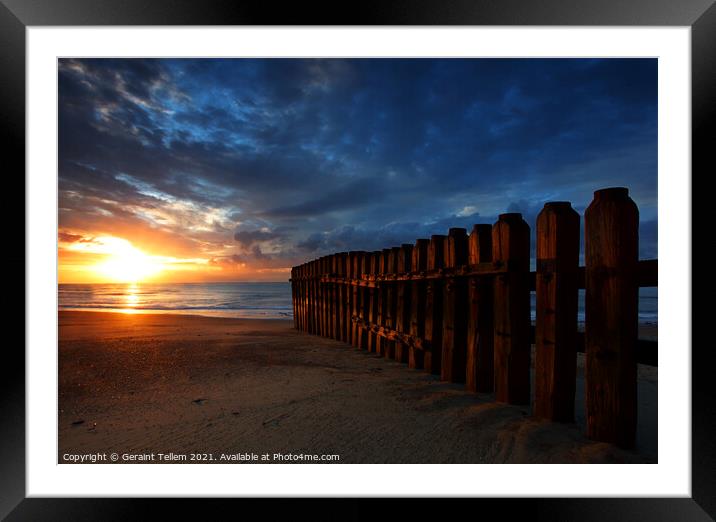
(383, 254)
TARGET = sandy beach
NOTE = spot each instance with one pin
(142, 384)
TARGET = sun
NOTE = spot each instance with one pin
(126, 263)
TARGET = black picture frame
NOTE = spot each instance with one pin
(17, 15)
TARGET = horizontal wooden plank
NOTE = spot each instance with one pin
(648, 275)
(647, 350)
(391, 334)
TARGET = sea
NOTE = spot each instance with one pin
(241, 300)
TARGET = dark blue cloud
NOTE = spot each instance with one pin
(360, 154)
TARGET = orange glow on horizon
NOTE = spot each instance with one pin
(110, 259)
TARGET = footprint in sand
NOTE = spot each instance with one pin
(199, 401)
(275, 421)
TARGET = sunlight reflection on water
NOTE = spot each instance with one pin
(252, 300)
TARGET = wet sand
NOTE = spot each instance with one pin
(180, 384)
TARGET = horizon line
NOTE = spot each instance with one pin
(167, 282)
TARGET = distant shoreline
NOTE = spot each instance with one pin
(148, 283)
(221, 314)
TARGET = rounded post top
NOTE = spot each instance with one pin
(510, 216)
(421, 242)
(612, 193)
(560, 208)
(438, 237)
(457, 231)
(477, 227)
(407, 245)
(557, 205)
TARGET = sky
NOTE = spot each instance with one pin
(237, 169)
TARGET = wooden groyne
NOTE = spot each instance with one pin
(458, 306)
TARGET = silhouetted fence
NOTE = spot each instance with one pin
(458, 306)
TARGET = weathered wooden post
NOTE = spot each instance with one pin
(611, 252)
(353, 290)
(293, 296)
(342, 297)
(373, 302)
(328, 298)
(454, 336)
(317, 296)
(511, 249)
(308, 297)
(556, 303)
(304, 297)
(402, 312)
(419, 263)
(315, 285)
(312, 297)
(348, 288)
(364, 261)
(434, 306)
(380, 344)
(324, 298)
(348, 312)
(334, 298)
(299, 295)
(480, 358)
(391, 265)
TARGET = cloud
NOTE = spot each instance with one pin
(249, 238)
(66, 237)
(277, 160)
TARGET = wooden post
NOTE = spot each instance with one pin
(556, 328)
(480, 359)
(380, 344)
(319, 292)
(339, 298)
(322, 297)
(434, 307)
(511, 248)
(419, 263)
(348, 312)
(327, 294)
(293, 295)
(309, 297)
(402, 311)
(356, 259)
(347, 304)
(304, 299)
(391, 265)
(299, 296)
(454, 337)
(364, 260)
(335, 322)
(341, 272)
(315, 270)
(611, 252)
(328, 297)
(373, 302)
